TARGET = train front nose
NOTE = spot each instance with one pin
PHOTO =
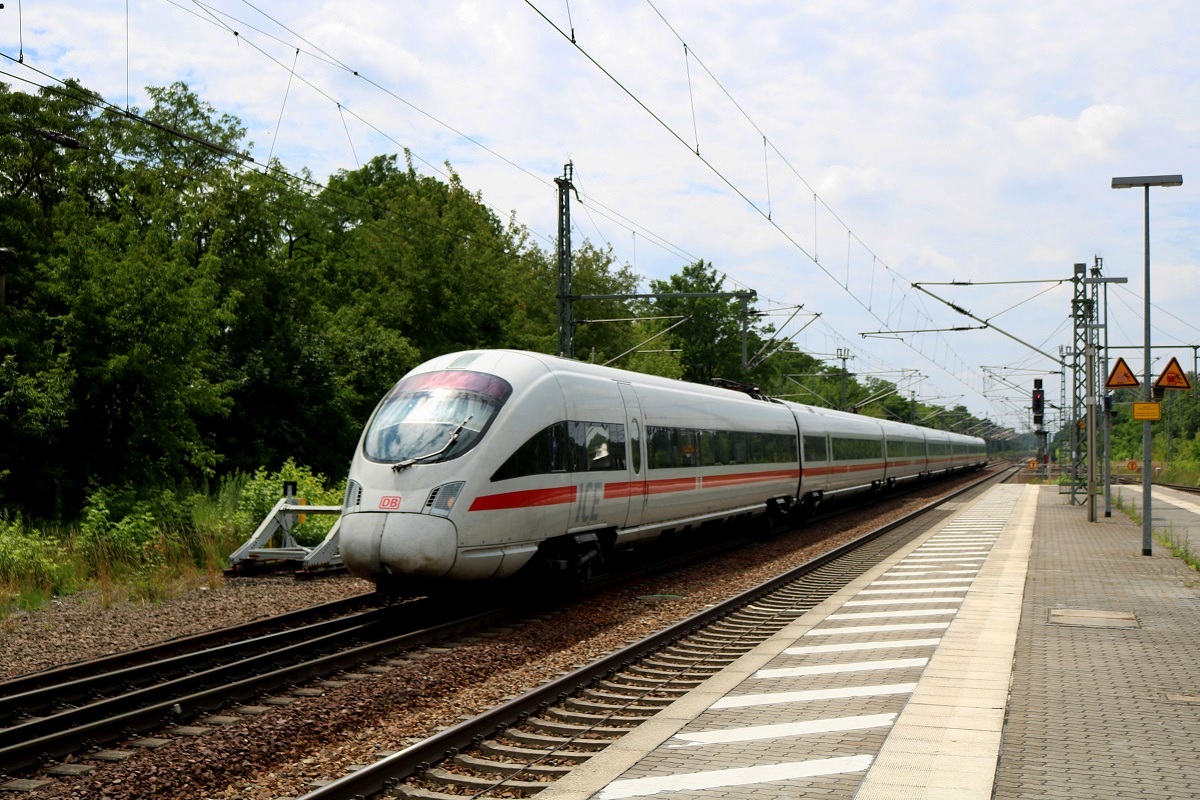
(375, 545)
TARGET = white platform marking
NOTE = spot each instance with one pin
(902, 600)
(929, 580)
(926, 571)
(912, 612)
(849, 647)
(757, 732)
(741, 776)
(809, 695)
(915, 626)
(914, 591)
(946, 549)
(837, 669)
(942, 559)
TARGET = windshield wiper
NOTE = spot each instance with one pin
(454, 434)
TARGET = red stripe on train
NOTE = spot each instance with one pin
(751, 477)
(525, 499)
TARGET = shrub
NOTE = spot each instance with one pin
(264, 489)
(134, 540)
(31, 560)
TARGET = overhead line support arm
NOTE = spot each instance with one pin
(987, 324)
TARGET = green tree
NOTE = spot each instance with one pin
(711, 339)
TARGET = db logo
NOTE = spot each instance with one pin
(389, 502)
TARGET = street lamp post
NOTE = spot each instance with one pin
(1146, 181)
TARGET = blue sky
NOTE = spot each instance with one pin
(889, 143)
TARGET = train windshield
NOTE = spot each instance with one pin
(421, 415)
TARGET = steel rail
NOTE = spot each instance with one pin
(28, 744)
(387, 773)
(86, 690)
(66, 673)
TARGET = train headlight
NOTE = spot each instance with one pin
(442, 499)
(353, 497)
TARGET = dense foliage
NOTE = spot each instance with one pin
(1175, 439)
(171, 316)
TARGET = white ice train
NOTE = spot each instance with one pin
(478, 463)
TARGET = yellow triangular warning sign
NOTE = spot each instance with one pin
(1172, 377)
(1121, 377)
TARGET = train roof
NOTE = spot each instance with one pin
(490, 359)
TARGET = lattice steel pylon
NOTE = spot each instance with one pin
(566, 323)
(1083, 314)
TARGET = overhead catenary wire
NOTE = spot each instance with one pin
(737, 190)
(283, 105)
(333, 60)
(245, 161)
(690, 55)
(218, 17)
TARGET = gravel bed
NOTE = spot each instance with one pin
(94, 623)
(282, 752)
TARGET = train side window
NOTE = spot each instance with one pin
(689, 447)
(854, 449)
(544, 453)
(635, 446)
(815, 448)
(598, 446)
(722, 448)
(708, 448)
(741, 447)
(787, 450)
(661, 444)
(758, 449)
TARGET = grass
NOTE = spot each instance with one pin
(1180, 546)
(132, 545)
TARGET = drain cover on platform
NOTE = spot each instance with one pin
(1185, 697)
(1093, 618)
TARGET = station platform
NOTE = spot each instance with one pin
(1014, 651)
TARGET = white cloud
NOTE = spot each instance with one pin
(956, 140)
(1091, 136)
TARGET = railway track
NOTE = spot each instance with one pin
(53, 714)
(1138, 482)
(520, 747)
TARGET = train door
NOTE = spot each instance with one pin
(635, 464)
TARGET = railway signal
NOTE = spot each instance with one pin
(1039, 401)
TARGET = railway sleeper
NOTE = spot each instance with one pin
(762, 616)
(788, 606)
(437, 776)
(705, 667)
(631, 708)
(737, 627)
(510, 767)
(722, 643)
(609, 717)
(606, 696)
(695, 652)
(671, 692)
(409, 792)
(566, 730)
(659, 683)
(682, 660)
(664, 675)
(544, 741)
(491, 747)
